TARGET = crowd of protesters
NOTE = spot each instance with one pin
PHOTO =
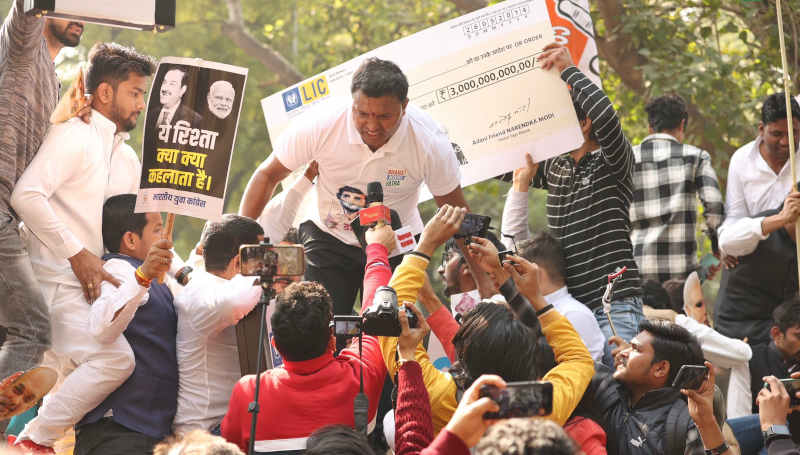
(145, 345)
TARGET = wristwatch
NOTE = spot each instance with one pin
(183, 274)
(776, 432)
(722, 448)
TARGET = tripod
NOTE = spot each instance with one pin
(267, 293)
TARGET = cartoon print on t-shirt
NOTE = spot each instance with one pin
(351, 200)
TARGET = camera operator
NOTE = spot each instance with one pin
(312, 389)
(209, 307)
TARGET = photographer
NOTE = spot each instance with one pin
(502, 344)
(209, 307)
(312, 389)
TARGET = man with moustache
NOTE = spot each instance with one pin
(60, 199)
(173, 87)
(29, 89)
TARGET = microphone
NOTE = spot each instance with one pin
(374, 193)
(376, 213)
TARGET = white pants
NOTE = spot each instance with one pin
(99, 368)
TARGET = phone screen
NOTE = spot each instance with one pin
(690, 377)
(474, 225)
(520, 399)
(792, 387)
(287, 260)
(347, 325)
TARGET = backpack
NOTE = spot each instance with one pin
(677, 428)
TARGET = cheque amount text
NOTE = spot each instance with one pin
(486, 79)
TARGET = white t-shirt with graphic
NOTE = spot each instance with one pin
(418, 152)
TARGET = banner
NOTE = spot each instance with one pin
(478, 76)
(158, 15)
(573, 27)
(189, 134)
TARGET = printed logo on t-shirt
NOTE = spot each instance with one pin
(351, 200)
(394, 177)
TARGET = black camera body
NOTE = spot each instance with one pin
(383, 317)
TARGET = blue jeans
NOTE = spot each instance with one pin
(747, 430)
(626, 314)
(23, 311)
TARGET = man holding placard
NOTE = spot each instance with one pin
(29, 90)
(60, 199)
(589, 195)
(376, 136)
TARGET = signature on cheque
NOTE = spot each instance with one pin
(504, 119)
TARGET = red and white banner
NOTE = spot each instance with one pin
(573, 27)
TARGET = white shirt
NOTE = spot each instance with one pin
(752, 188)
(418, 152)
(514, 223)
(278, 216)
(125, 168)
(582, 320)
(208, 357)
(60, 195)
(128, 297)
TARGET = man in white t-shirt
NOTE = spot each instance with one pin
(376, 136)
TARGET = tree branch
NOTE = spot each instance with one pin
(469, 5)
(236, 31)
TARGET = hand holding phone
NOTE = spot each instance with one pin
(690, 377)
(520, 399)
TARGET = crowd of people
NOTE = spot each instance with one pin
(145, 345)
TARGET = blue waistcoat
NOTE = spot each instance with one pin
(147, 401)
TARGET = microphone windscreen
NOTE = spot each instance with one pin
(374, 192)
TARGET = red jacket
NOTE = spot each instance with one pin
(588, 434)
(301, 397)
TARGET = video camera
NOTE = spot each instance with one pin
(271, 260)
(381, 319)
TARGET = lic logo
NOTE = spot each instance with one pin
(306, 93)
(291, 99)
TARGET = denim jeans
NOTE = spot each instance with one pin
(23, 311)
(747, 430)
(626, 314)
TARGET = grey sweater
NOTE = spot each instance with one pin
(28, 94)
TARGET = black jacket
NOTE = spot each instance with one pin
(760, 282)
(659, 424)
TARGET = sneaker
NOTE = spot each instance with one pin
(28, 446)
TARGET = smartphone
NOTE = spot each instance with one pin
(503, 254)
(282, 260)
(520, 399)
(792, 387)
(474, 225)
(346, 325)
(690, 377)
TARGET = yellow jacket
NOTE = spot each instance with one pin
(570, 377)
